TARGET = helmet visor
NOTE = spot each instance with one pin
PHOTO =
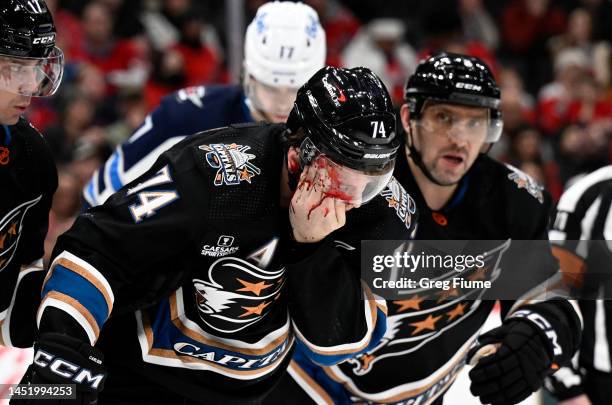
(32, 77)
(337, 181)
(461, 122)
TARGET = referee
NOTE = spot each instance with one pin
(582, 241)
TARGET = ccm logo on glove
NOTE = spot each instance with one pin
(66, 369)
(544, 325)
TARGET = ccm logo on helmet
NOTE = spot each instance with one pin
(468, 86)
(66, 369)
(43, 40)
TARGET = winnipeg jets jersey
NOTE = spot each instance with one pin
(188, 111)
(430, 331)
(208, 294)
(28, 179)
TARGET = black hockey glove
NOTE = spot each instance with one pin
(61, 359)
(517, 368)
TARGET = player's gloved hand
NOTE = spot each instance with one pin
(314, 215)
(516, 369)
(61, 359)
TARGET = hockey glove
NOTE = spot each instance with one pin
(61, 359)
(517, 368)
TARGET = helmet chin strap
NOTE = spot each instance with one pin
(418, 160)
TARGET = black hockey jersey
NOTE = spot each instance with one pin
(207, 292)
(430, 332)
(28, 179)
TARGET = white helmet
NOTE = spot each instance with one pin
(284, 44)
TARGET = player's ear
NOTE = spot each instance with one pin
(405, 117)
(293, 160)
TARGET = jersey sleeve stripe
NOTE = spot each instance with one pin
(73, 285)
(73, 308)
(114, 175)
(87, 271)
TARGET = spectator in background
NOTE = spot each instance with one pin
(526, 27)
(340, 27)
(581, 150)
(601, 15)
(443, 30)
(69, 33)
(201, 64)
(578, 34)
(477, 24)
(380, 47)
(123, 62)
(168, 76)
(76, 116)
(516, 104)
(555, 98)
(64, 209)
(162, 22)
(132, 112)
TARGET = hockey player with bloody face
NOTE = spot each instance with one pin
(284, 46)
(237, 245)
(451, 116)
(30, 66)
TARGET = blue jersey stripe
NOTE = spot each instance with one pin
(77, 287)
(114, 172)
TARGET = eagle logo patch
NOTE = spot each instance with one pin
(10, 230)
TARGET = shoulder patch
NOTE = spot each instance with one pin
(523, 180)
(398, 198)
(232, 162)
(194, 94)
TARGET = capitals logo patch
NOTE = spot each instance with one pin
(10, 230)
(523, 180)
(232, 162)
(236, 294)
(399, 199)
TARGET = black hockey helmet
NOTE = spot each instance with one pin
(348, 116)
(27, 37)
(455, 79)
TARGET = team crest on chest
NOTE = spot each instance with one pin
(10, 229)
(232, 162)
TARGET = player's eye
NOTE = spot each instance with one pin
(443, 118)
(476, 123)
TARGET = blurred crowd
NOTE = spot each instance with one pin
(552, 59)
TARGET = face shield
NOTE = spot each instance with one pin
(460, 122)
(32, 77)
(352, 186)
(274, 101)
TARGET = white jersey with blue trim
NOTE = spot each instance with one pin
(180, 114)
